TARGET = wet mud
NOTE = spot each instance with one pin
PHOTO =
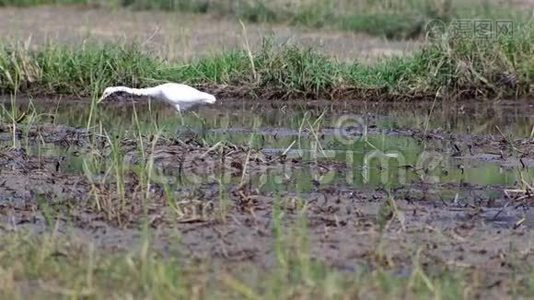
(464, 206)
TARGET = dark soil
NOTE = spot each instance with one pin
(458, 224)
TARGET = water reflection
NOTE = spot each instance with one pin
(298, 130)
(510, 117)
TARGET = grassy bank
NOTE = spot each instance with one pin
(390, 19)
(449, 67)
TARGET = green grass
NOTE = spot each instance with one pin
(390, 19)
(52, 267)
(449, 67)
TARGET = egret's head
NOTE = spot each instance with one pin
(108, 91)
(210, 99)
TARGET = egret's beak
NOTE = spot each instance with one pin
(100, 100)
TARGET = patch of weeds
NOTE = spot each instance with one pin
(451, 66)
(51, 266)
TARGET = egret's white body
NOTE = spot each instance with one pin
(181, 96)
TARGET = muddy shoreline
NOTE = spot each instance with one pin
(29, 180)
(219, 194)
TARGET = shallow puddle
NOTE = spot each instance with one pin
(361, 143)
(451, 181)
(514, 117)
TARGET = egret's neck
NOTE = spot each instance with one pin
(138, 92)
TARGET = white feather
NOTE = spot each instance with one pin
(181, 96)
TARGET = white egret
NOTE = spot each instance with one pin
(181, 96)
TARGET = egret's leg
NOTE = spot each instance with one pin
(203, 127)
(181, 118)
(180, 113)
(184, 131)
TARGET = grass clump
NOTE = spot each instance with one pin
(450, 66)
(51, 266)
(66, 70)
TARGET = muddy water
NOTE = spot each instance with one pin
(365, 144)
(458, 174)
